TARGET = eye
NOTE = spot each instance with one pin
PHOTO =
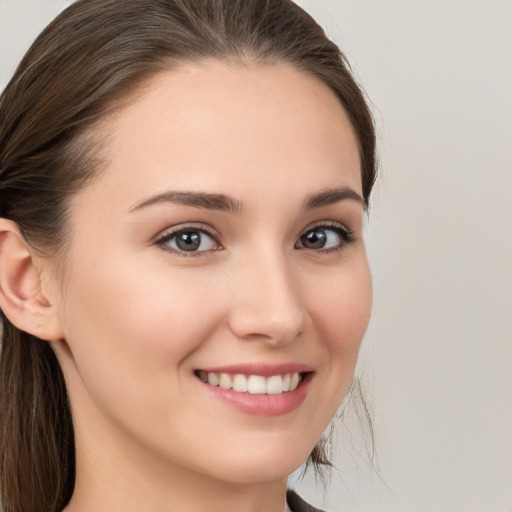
(188, 240)
(325, 237)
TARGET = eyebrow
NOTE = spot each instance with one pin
(331, 196)
(222, 202)
(196, 199)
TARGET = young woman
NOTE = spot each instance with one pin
(183, 279)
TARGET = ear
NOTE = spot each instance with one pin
(22, 298)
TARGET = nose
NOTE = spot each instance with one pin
(267, 304)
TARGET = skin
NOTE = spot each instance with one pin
(137, 319)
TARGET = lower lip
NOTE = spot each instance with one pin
(263, 405)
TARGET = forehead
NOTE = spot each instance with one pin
(227, 128)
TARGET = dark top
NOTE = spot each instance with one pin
(297, 504)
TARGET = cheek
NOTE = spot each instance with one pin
(341, 312)
(345, 305)
(135, 322)
(340, 308)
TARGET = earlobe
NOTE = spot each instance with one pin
(22, 298)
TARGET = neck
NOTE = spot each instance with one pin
(133, 495)
(114, 474)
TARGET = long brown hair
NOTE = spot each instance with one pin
(81, 66)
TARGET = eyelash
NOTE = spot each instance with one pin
(347, 236)
(203, 229)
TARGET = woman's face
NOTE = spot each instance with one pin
(222, 242)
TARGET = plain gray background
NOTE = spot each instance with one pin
(437, 359)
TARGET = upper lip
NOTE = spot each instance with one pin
(263, 369)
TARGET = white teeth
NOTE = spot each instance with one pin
(294, 381)
(213, 379)
(274, 385)
(225, 381)
(286, 382)
(254, 384)
(240, 383)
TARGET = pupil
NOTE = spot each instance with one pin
(314, 239)
(188, 240)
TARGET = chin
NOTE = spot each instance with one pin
(261, 462)
(269, 471)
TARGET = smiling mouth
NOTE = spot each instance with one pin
(253, 384)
